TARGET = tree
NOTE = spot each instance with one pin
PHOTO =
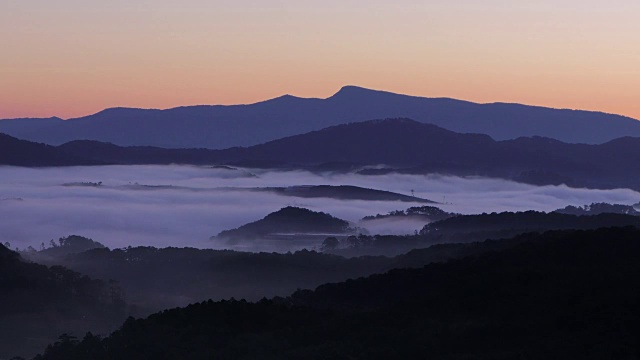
(330, 243)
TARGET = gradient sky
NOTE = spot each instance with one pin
(75, 57)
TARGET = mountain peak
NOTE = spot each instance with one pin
(352, 90)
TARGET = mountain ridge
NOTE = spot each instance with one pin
(224, 126)
(392, 145)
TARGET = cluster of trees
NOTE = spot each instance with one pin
(558, 295)
(599, 208)
(431, 213)
(65, 245)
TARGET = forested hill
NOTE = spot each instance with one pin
(559, 295)
(38, 303)
(465, 228)
(289, 220)
(25, 153)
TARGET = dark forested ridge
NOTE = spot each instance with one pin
(469, 228)
(154, 279)
(25, 153)
(507, 224)
(37, 303)
(401, 145)
(558, 295)
(219, 127)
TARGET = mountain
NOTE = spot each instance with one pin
(289, 220)
(378, 147)
(409, 146)
(25, 153)
(219, 127)
(558, 295)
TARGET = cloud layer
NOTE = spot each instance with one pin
(35, 206)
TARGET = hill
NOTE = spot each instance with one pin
(218, 127)
(344, 192)
(454, 228)
(466, 228)
(558, 295)
(288, 220)
(38, 303)
(18, 152)
(155, 279)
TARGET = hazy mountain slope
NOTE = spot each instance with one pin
(220, 127)
(38, 303)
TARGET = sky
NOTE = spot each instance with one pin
(71, 58)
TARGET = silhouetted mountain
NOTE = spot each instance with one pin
(133, 155)
(289, 220)
(38, 303)
(599, 208)
(408, 146)
(219, 127)
(403, 146)
(559, 295)
(25, 153)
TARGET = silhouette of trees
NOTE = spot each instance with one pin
(563, 294)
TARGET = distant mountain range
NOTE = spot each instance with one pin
(218, 127)
(378, 147)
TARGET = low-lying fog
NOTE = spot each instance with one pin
(35, 206)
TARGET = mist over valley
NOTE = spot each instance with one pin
(186, 205)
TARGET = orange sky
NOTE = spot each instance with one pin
(71, 58)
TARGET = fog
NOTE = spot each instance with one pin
(35, 206)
